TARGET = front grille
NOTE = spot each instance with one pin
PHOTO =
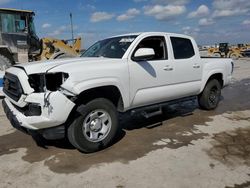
(12, 87)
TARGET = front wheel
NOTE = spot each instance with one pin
(96, 127)
(210, 97)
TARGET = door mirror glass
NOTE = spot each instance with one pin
(144, 54)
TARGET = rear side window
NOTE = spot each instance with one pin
(183, 48)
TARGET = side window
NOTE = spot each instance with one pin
(183, 48)
(8, 23)
(11, 23)
(20, 24)
(157, 43)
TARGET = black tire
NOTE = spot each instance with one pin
(234, 56)
(210, 96)
(217, 54)
(5, 63)
(78, 135)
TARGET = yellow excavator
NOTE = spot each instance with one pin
(19, 42)
(224, 50)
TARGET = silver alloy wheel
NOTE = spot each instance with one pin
(97, 125)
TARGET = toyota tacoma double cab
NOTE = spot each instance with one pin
(80, 98)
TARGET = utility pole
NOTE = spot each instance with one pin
(71, 22)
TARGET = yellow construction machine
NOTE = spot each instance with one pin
(19, 42)
(54, 48)
(224, 50)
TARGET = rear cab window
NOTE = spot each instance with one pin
(182, 48)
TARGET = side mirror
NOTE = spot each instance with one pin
(144, 54)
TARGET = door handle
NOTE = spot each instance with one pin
(168, 68)
(196, 66)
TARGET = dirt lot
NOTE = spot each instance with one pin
(184, 147)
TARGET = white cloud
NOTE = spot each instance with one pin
(101, 16)
(90, 7)
(206, 22)
(202, 10)
(84, 7)
(130, 13)
(166, 12)
(246, 22)
(187, 30)
(62, 29)
(4, 1)
(59, 31)
(226, 13)
(172, 2)
(46, 25)
(230, 4)
(225, 8)
(196, 29)
(138, 1)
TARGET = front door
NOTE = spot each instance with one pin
(149, 78)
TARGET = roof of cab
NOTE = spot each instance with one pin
(153, 33)
(16, 10)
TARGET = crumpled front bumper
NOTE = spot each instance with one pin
(55, 109)
(12, 118)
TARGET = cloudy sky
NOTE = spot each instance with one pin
(208, 21)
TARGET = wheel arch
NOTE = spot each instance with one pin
(214, 75)
(110, 92)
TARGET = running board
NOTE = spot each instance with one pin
(156, 109)
(151, 114)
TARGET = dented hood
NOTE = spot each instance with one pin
(59, 64)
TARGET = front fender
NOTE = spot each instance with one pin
(78, 88)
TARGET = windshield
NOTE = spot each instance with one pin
(111, 47)
(12, 23)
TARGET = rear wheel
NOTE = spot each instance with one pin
(4, 62)
(217, 54)
(234, 56)
(96, 127)
(210, 96)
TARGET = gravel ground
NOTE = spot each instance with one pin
(183, 147)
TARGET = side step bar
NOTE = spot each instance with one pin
(156, 109)
(152, 113)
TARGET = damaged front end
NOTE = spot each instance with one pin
(47, 81)
(36, 102)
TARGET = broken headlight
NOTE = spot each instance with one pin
(47, 81)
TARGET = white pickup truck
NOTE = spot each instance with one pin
(80, 98)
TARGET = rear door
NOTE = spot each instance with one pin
(187, 67)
